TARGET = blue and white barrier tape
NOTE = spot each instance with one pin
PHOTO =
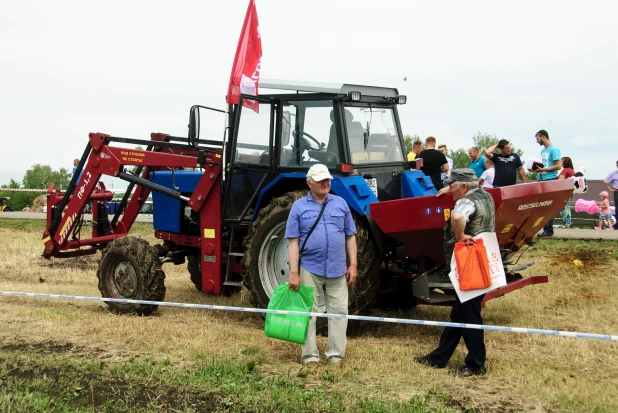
(45, 190)
(350, 317)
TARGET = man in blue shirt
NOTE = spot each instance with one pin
(322, 262)
(75, 164)
(477, 162)
(552, 163)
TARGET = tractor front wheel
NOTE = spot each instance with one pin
(130, 269)
(266, 257)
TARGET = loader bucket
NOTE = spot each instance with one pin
(521, 212)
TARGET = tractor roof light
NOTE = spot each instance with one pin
(402, 99)
(354, 96)
(345, 168)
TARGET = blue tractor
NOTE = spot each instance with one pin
(222, 206)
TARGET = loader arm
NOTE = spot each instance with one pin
(65, 209)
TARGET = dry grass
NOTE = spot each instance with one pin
(526, 372)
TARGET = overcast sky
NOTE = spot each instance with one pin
(128, 68)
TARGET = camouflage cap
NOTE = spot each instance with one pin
(461, 175)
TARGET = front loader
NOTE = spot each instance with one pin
(222, 206)
(130, 267)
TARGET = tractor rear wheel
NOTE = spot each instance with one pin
(266, 257)
(130, 268)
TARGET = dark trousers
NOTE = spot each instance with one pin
(549, 227)
(469, 313)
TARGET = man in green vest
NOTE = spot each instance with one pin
(474, 213)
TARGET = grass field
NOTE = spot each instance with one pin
(58, 355)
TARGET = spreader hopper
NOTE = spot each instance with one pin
(521, 212)
(418, 223)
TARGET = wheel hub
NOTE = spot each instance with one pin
(125, 279)
(273, 259)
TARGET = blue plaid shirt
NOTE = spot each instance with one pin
(325, 252)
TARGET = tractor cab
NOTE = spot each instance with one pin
(349, 128)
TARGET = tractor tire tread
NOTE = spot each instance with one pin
(151, 276)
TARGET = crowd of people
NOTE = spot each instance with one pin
(494, 170)
(501, 167)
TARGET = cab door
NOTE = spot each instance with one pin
(251, 158)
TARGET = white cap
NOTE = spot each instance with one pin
(319, 172)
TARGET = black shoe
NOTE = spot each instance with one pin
(469, 372)
(545, 235)
(427, 360)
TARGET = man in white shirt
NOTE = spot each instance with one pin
(487, 178)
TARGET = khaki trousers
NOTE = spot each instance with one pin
(335, 291)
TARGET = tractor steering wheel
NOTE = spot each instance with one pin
(305, 142)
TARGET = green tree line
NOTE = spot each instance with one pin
(36, 177)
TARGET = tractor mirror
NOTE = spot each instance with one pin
(194, 122)
(194, 126)
(286, 128)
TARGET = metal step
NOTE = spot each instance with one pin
(440, 298)
(447, 285)
(522, 267)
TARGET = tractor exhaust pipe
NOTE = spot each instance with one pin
(152, 186)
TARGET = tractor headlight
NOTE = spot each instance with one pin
(402, 99)
(354, 96)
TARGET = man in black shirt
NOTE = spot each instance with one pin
(506, 164)
(434, 162)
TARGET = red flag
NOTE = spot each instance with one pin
(246, 69)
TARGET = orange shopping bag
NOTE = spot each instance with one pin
(472, 266)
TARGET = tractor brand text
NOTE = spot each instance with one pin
(82, 188)
(535, 205)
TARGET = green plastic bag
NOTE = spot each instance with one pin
(289, 327)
